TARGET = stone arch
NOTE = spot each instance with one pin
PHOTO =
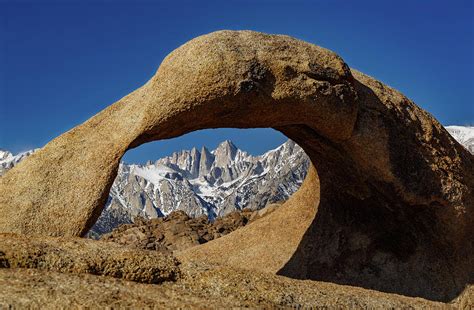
(389, 174)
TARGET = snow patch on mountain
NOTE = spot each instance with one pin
(464, 135)
(8, 160)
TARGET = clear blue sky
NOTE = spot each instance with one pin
(62, 63)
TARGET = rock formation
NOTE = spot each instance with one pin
(72, 255)
(390, 207)
(169, 184)
(178, 231)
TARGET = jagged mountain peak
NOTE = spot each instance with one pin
(229, 144)
(225, 152)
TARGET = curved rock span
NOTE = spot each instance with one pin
(390, 207)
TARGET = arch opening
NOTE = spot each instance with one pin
(209, 173)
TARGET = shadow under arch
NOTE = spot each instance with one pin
(382, 241)
(367, 241)
(396, 209)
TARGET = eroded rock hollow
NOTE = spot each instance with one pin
(388, 204)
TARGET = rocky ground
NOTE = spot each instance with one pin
(201, 287)
(167, 263)
(81, 256)
(178, 231)
(134, 266)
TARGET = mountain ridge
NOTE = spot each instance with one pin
(214, 184)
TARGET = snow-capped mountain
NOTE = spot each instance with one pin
(464, 135)
(8, 160)
(203, 182)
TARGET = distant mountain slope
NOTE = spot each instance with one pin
(212, 183)
(464, 135)
(203, 182)
(8, 160)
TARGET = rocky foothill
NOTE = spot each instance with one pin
(178, 231)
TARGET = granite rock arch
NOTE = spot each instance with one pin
(388, 171)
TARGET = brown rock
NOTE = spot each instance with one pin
(177, 231)
(200, 288)
(75, 255)
(393, 190)
(234, 79)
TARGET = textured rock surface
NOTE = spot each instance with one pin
(74, 255)
(178, 231)
(394, 196)
(201, 287)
